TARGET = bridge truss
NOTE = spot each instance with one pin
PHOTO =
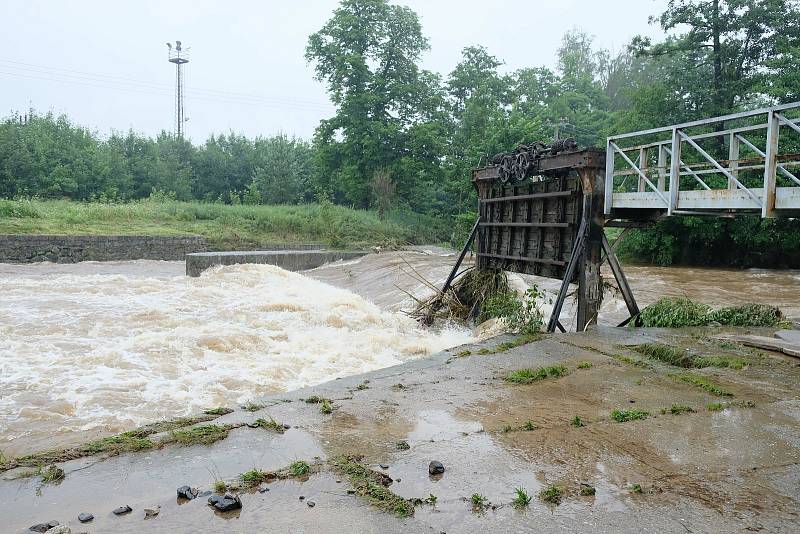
(741, 163)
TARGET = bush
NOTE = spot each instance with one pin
(675, 313)
(18, 208)
(521, 315)
(748, 315)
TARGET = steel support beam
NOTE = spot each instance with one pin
(733, 159)
(770, 163)
(675, 172)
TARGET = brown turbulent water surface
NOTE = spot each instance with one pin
(95, 348)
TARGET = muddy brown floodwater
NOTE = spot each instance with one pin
(730, 469)
(136, 342)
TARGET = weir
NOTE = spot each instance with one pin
(291, 260)
(542, 209)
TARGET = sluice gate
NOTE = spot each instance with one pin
(543, 208)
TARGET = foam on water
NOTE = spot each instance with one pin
(107, 352)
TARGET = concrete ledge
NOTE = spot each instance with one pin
(291, 260)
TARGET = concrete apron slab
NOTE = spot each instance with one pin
(719, 470)
(291, 260)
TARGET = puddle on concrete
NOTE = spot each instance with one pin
(150, 478)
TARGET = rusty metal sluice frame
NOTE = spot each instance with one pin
(551, 225)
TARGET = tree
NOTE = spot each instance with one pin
(367, 56)
(384, 190)
(731, 41)
(282, 173)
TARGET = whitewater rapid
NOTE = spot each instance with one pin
(105, 352)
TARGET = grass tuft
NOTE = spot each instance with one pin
(326, 407)
(622, 416)
(220, 486)
(521, 498)
(402, 445)
(584, 365)
(718, 406)
(50, 474)
(703, 383)
(218, 411)
(200, 435)
(577, 421)
(552, 494)
(316, 399)
(636, 488)
(251, 478)
(631, 361)
(518, 342)
(270, 424)
(677, 409)
(479, 502)
(252, 407)
(527, 376)
(299, 468)
(529, 425)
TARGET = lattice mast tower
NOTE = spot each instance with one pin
(179, 57)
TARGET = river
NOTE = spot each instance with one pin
(96, 348)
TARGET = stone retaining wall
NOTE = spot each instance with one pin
(72, 249)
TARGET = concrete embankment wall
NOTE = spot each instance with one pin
(75, 248)
(291, 260)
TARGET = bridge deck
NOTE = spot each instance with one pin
(744, 162)
(787, 201)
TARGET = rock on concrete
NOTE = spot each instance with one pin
(291, 260)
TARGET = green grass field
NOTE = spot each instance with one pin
(223, 226)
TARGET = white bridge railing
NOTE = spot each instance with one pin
(744, 162)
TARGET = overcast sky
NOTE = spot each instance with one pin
(104, 63)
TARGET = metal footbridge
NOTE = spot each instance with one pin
(734, 164)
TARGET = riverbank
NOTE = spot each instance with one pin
(602, 437)
(224, 227)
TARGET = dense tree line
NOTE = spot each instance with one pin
(406, 136)
(49, 157)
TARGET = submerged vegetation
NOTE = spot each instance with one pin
(200, 435)
(631, 361)
(218, 411)
(179, 431)
(682, 358)
(622, 416)
(527, 376)
(718, 406)
(680, 312)
(678, 409)
(270, 424)
(299, 469)
(372, 486)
